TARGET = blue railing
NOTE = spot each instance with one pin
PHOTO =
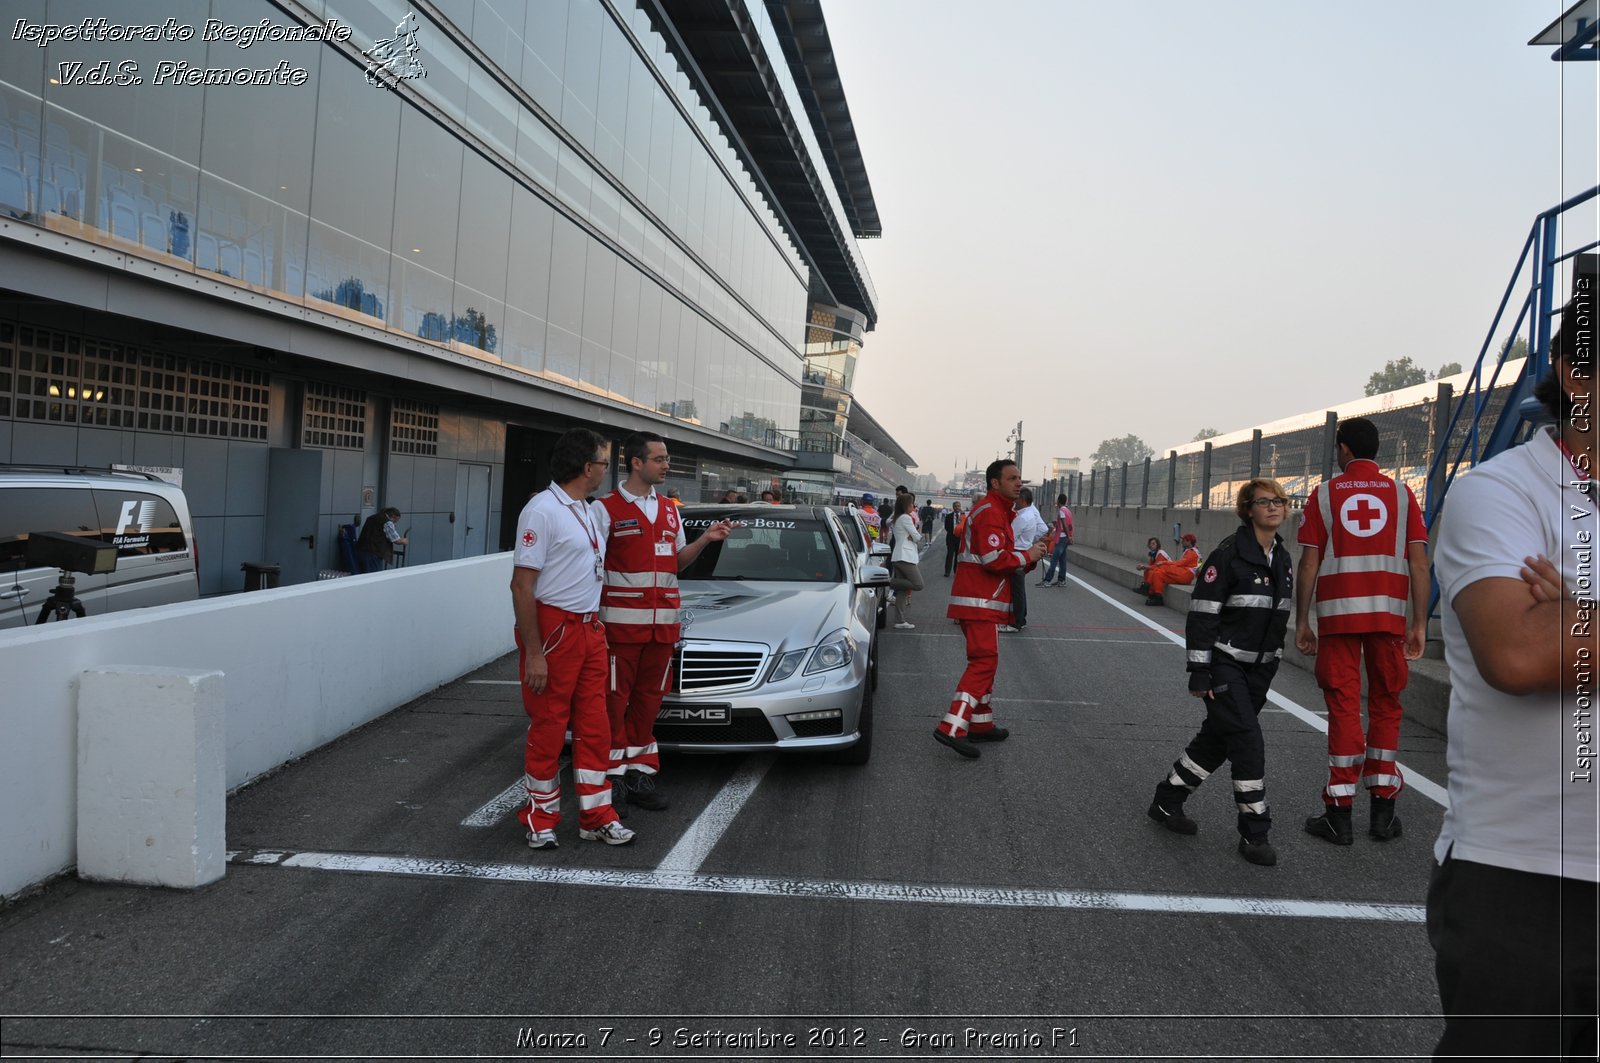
(1519, 414)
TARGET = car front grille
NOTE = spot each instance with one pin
(707, 666)
(747, 726)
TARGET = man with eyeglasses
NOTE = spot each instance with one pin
(559, 562)
(1234, 635)
(1364, 558)
(645, 549)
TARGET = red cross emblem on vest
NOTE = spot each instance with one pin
(1363, 515)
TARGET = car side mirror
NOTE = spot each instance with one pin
(881, 550)
(873, 575)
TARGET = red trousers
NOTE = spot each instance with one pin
(639, 677)
(969, 709)
(1373, 761)
(1164, 575)
(575, 697)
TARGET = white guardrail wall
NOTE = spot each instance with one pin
(302, 665)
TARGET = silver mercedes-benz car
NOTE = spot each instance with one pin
(779, 645)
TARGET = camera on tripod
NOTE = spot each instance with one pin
(70, 554)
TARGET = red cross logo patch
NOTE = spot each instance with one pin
(1363, 515)
(994, 540)
(528, 537)
(1211, 573)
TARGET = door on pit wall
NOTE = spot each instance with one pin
(294, 500)
(470, 535)
(527, 469)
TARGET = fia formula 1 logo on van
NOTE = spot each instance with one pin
(136, 517)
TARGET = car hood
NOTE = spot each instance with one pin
(785, 616)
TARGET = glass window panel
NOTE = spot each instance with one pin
(255, 193)
(483, 239)
(427, 202)
(631, 229)
(568, 256)
(625, 331)
(572, 179)
(659, 165)
(670, 398)
(22, 122)
(599, 298)
(678, 190)
(528, 280)
(497, 29)
(536, 149)
(647, 350)
(605, 206)
(581, 74)
(636, 142)
(124, 150)
(492, 113)
(352, 194)
(445, 62)
(545, 52)
(457, 11)
(611, 110)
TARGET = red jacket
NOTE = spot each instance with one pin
(984, 563)
(639, 602)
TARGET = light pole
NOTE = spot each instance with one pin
(1016, 437)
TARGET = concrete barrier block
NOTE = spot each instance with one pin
(151, 768)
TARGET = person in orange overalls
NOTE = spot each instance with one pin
(1164, 574)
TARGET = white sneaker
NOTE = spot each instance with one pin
(1008, 629)
(543, 839)
(612, 833)
(904, 625)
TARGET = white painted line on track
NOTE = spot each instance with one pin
(964, 897)
(505, 802)
(1040, 701)
(493, 682)
(703, 834)
(1414, 779)
(1048, 638)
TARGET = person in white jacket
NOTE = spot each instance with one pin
(907, 576)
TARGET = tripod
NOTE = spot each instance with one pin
(63, 602)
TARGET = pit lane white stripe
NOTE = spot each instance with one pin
(1415, 780)
(505, 802)
(963, 897)
(493, 682)
(704, 833)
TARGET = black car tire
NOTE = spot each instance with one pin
(883, 611)
(872, 665)
(861, 752)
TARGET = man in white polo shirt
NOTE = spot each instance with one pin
(555, 593)
(1511, 908)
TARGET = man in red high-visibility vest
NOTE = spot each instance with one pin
(1364, 558)
(980, 601)
(645, 548)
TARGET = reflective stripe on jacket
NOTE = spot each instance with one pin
(985, 560)
(639, 600)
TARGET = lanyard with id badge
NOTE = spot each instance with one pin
(593, 536)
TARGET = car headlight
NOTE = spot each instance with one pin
(784, 667)
(836, 651)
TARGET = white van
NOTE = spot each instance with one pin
(144, 517)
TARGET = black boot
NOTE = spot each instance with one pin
(960, 745)
(642, 791)
(1170, 815)
(619, 796)
(1258, 850)
(1332, 826)
(1384, 823)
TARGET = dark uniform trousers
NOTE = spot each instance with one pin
(1231, 732)
(952, 546)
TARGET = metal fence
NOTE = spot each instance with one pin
(1298, 452)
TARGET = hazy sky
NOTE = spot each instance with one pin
(1104, 217)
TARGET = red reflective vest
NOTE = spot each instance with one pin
(639, 600)
(1362, 522)
(984, 563)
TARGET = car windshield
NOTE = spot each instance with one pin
(789, 546)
